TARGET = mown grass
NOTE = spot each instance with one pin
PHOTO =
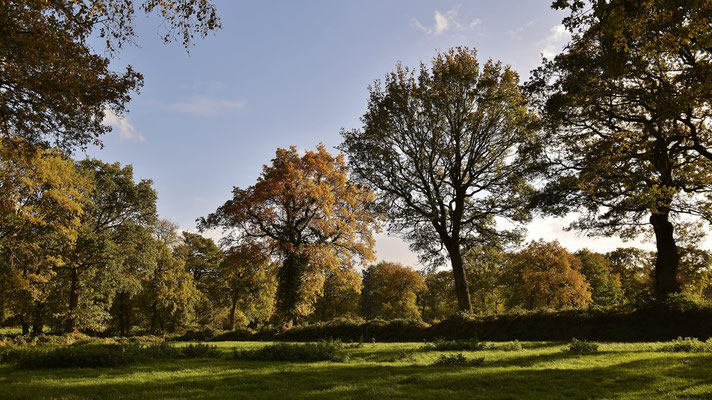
(541, 370)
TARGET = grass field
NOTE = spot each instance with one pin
(539, 371)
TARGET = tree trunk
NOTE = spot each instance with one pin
(124, 314)
(37, 323)
(25, 325)
(458, 270)
(667, 261)
(289, 288)
(233, 308)
(73, 301)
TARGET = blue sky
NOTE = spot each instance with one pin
(284, 73)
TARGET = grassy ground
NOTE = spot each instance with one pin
(539, 371)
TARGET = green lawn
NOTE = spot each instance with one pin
(540, 371)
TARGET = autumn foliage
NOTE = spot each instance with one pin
(305, 211)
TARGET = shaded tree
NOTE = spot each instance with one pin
(626, 107)
(438, 301)
(340, 296)
(635, 268)
(440, 145)
(485, 267)
(250, 285)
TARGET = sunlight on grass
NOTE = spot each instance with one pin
(541, 370)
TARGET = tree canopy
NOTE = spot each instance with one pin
(54, 88)
(625, 107)
(307, 212)
(441, 146)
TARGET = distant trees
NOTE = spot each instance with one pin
(249, 286)
(545, 275)
(391, 291)
(117, 212)
(626, 109)
(308, 213)
(444, 149)
(605, 285)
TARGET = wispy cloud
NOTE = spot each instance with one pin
(516, 34)
(443, 22)
(555, 41)
(202, 105)
(126, 130)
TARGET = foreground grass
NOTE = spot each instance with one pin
(539, 371)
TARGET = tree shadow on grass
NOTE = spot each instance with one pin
(262, 380)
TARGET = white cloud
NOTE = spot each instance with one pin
(444, 22)
(201, 105)
(557, 39)
(127, 132)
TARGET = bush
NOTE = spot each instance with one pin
(456, 345)
(688, 345)
(457, 360)
(510, 346)
(200, 351)
(402, 355)
(582, 346)
(102, 355)
(307, 352)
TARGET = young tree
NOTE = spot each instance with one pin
(485, 267)
(202, 259)
(606, 287)
(635, 268)
(441, 147)
(341, 295)
(250, 285)
(390, 291)
(626, 107)
(53, 87)
(310, 215)
(41, 202)
(169, 294)
(546, 275)
(438, 301)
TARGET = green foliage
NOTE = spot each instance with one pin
(605, 286)
(457, 360)
(582, 346)
(440, 344)
(391, 291)
(688, 345)
(307, 352)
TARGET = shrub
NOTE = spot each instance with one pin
(200, 351)
(582, 346)
(510, 346)
(102, 355)
(308, 352)
(688, 345)
(402, 355)
(457, 360)
(456, 345)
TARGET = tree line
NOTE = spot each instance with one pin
(455, 157)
